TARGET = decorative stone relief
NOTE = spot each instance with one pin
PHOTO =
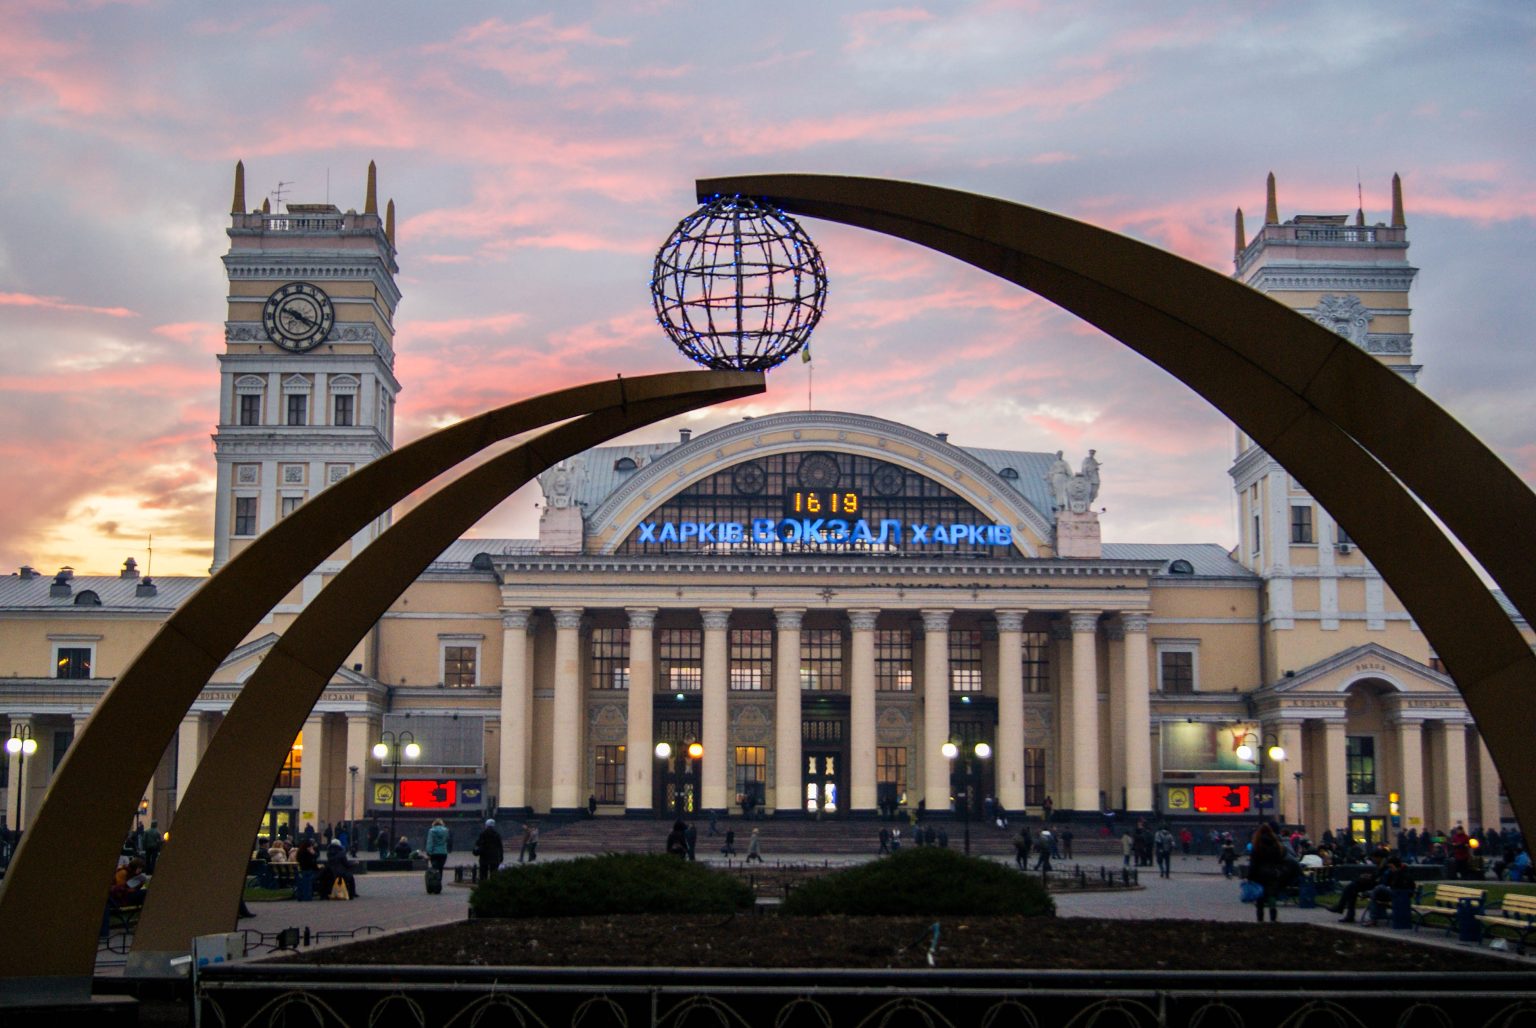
(1345, 315)
(609, 724)
(752, 724)
(893, 726)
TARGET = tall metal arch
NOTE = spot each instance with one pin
(78, 827)
(1354, 433)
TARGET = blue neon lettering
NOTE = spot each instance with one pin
(763, 530)
(647, 531)
(919, 534)
(861, 532)
(732, 532)
(707, 532)
(1003, 534)
(688, 530)
(837, 531)
(668, 533)
(939, 535)
(789, 530)
(890, 532)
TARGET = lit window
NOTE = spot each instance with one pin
(608, 779)
(965, 660)
(73, 662)
(459, 664)
(610, 659)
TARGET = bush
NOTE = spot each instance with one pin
(619, 883)
(923, 881)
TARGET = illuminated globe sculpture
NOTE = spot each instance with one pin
(739, 285)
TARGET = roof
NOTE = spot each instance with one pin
(460, 556)
(1208, 559)
(116, 593)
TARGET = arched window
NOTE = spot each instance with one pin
(1181, 567)
(1009, 474)
(87, 598)
(624, 464)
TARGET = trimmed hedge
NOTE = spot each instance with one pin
(923, 881)
(618, 883)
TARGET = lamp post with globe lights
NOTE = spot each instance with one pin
(20, 745)
(393, 746)
(1269, 745)
(969, 776)
(678, 775)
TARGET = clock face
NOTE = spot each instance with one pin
(298, 316)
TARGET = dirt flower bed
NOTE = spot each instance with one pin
(768, 941)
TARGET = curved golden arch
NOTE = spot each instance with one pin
(75, 832)
(202, 870)
(1337, 419)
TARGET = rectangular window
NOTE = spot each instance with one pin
(752, 773)
(964, 660)
(291, 504)
(751, 659)
(1034, 775)
(821, 659)
(1301, 523)
(608, 779)
(1256, 535)
(245, 515)
(250, 408)
(288, 777)
(891, 774)
(893, 660)
(298, 409)
(73, 662)
(680, 658)
(1037, 662)
(1360, 764)
(459, 664)
(1176, 671)
(344, 406)
(1342, 537)
(610, 659)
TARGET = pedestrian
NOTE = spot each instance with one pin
(1021, 845)
(714, 823)
(592, 805)
(1186, 839)
(729, 849)
(1048, 806)
(885, 841)
(1044, 845)
(384, 842)
(522, 853)
(1228, 858)
(691, 837)
(1066, 842)
(1162, 843)
(153, 840)
(930, 837)
(488, 849)
(531, 842)
(677, 840)
(1266, 865)
(943, 838)
(1127, 846)
(755, 848)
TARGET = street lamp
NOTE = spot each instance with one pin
(20, 745)
(971, 776)
(1270, 744)
(1298, 776)
(391, 748)
(352, 806)
(677, 775)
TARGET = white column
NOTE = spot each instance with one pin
(1335, 790)
(642, 698)
(1112, 734)
(19, 781)
(716, 727)
(935, 708)
(311, 770)
(1061, 638)
(191, 743)
(1487, 787)
(1289, 794)
(1451, 755)
(1138, 714)
(786, 713)
(512, 774)
(861, 710)
(1010, 710)
(565, 779)
(1410, 775)
(362, 731)
(1085, 710)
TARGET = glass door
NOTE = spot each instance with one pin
(1369, 831)
(822, 792)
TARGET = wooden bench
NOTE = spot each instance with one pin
(1517, 913)
(1443, 903)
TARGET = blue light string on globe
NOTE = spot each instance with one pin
(738, 285)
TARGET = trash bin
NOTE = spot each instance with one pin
(1402, 908)
(1468, 929)
(1306, 893)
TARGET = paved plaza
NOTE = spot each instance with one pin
(1196, 891)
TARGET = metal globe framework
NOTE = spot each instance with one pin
(739, 285)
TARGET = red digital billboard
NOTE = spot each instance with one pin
(1221, 799)
(425, 792)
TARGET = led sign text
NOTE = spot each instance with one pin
(830, 531)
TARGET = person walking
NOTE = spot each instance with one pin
(1021, 844)
(488, 849)
(691, 838)
(729, 849)
(531, 842)
(1266, 865)
(1162, 845)
(885, 841)
(437, 845)
(1044, 846)
(755, 848)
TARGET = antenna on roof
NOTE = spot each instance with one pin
(149, 569)
(280, 192)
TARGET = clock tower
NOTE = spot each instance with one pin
(307, 385)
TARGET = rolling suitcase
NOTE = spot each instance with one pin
(434, 881)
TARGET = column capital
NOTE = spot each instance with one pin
(787, 619)
(1010, 620)
(1134, 621)
(1084, 620)
(569, 617)
(641, 617)
(863, 620)
(715, 618)
(1399, 721)
(514, 618)
(936, 620)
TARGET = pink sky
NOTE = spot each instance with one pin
(537, 162)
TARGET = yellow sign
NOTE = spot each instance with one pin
(383, 794)
(1178, 798)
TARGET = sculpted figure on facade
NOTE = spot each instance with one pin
(1345, 315)
(559, 483)
(1058, 477)
(1074, 492)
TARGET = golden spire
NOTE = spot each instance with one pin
(1242, 240)
(371, 204)
(1398, 221)
(389, 221)
(1271, 207)
(266, 205)
(237, 206)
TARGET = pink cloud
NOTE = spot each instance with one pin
(54, 303)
